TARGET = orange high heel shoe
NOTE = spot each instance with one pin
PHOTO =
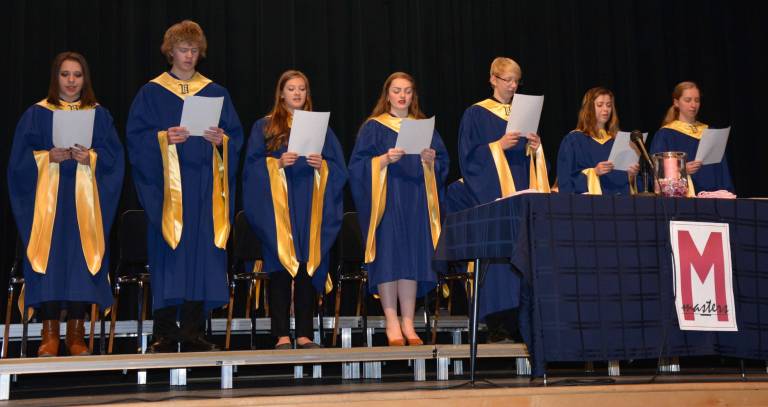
(414, 341)
(396, 342)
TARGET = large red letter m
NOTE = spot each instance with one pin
(702, 263)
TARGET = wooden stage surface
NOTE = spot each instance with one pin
(679, 390)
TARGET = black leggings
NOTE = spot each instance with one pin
(52, 309)
(280, 302)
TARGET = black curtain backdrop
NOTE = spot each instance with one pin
(639, 49)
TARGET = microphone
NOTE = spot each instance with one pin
(636, 137)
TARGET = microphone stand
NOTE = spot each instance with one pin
(637, 139)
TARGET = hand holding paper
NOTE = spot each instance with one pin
(428, 155)
(81, 154)
(509, 140)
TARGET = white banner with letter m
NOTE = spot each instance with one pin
(703, 276)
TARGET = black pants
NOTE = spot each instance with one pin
(52, 310)
(280, 302)
(191, 321)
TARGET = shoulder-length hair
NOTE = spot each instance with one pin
(673, 112)
(277, 130)
(87, 96)
(588, 120)
(383, 105)
(185, 31)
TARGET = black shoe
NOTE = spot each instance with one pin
(499, 335)
(163, 345)
(198, 344)
(284, 346)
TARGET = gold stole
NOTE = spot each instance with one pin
(173, 222)
(379, 193)
(286, 250)
(538, 178)
(87, 206)
(691, 130)
(593, 179)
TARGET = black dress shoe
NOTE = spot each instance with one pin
(197, 344)
(309, 345)
(163, 345)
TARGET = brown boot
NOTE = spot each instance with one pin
(49, 339)
(75, 338)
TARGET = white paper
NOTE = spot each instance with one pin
(712, 145)
(415, 135)
(308, 132)
(201, 113)
(624, 152)
(525, 114)
(72, 127)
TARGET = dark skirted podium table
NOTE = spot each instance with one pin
(597, 271)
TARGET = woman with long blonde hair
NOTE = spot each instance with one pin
(681, 131)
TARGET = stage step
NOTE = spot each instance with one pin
(179, 362)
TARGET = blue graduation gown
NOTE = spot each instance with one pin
(66, 277)
(477, 129)
(458, 197)
(500, 290)
(300, 179)
(196, 269)
(579, 151)
(710, 177)
(403, 238)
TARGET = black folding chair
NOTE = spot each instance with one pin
(132, 238)
(350, 249)
(457, 272)
(16, 280)
(246, 248)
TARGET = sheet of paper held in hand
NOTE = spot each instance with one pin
(201, 113)
(712, 145)
(308, 132)
(525, 114)
(72, 127)
(415, 135)
(624, 153)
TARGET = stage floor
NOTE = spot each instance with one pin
(276, 386)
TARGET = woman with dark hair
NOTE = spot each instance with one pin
(59, 193)
(582, 162)
(186, 186)
(681, 131)
(397, 198)
(295, 205)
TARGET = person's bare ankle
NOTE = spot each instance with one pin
(303, 340)
(283, 339)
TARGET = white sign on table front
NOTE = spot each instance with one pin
(703, 275)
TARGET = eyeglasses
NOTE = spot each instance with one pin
(519, 82)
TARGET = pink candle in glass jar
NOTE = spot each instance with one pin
(672, 167)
